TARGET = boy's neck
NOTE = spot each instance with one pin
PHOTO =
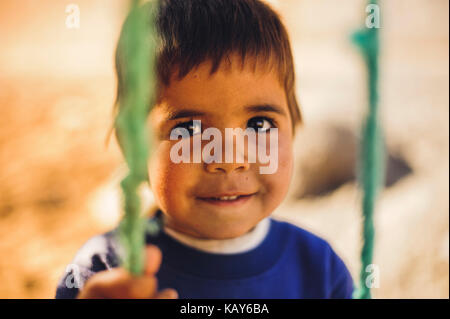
(240, 244)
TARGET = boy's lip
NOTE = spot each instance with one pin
(226, 194)
(241, 199)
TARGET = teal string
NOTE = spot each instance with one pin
(137, 61)
(371, 153)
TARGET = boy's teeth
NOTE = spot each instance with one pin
(227, 197)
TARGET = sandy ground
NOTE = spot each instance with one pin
(59, 177)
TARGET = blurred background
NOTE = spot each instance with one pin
(59, 177)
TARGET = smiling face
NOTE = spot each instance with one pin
(232, 97)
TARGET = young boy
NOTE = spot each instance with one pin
(222, 64)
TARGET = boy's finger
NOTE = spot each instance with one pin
(168, 293)
(118, 283)
(153, 257)
(143, 287)
(103, 284)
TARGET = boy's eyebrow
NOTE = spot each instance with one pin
(266, 108)
(184, 113)
(250, 108)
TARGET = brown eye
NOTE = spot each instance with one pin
(193, 127)
(260, 124)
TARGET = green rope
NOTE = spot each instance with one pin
(371, 154)
(137, 67)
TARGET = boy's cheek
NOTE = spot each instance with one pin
(159, 168)
(278, 183)
(166, 174)
(284, 157)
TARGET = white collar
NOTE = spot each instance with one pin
(240, 244)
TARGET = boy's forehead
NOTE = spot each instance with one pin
(198, 104)
(229, 85)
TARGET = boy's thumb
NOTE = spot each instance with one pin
(153, 257)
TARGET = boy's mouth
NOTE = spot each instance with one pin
(227, 199)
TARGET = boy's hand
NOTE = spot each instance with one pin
(119, 283)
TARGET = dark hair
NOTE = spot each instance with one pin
(194, 31)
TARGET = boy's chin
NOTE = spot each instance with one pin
(214, 228)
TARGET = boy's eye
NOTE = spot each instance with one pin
(261, 124)
(192, 127)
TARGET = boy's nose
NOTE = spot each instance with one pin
(227, 167)
(234, 156)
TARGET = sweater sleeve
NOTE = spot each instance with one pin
(97, 254)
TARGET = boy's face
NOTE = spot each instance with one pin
(185, 191)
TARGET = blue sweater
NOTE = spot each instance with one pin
(289, 263)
